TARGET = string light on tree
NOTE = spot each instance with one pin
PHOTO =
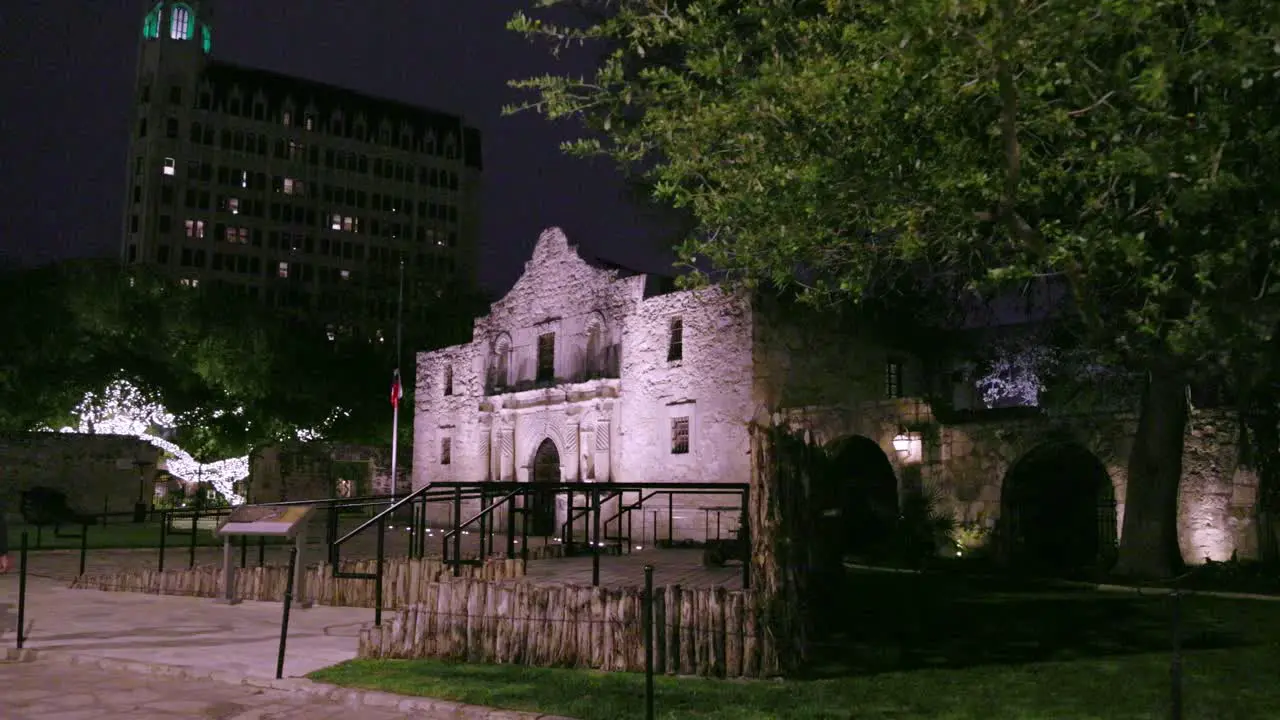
(123, 409)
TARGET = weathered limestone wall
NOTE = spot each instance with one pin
(97, 472)
(314, 471)
(710, 385)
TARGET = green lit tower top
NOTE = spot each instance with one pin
(179, 21)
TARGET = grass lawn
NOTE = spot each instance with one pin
(929, 647)
(114, 535)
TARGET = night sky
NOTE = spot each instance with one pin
(66, 88)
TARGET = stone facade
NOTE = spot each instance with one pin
(639, 383)
(611, 397)
(321, 470)
(98, 473)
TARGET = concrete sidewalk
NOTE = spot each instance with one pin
(198, 639)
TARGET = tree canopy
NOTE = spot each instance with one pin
(1127, 148)
(233, 372)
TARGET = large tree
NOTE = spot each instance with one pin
(1130, 149)
(233, 372)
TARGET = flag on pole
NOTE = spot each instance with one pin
(397, 391)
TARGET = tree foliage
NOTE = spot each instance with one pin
(233, 372)
(1127, 148)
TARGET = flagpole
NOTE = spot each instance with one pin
(395, 406)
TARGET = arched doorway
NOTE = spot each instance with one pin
(1058, 510)
(868, 494)
(542, 505)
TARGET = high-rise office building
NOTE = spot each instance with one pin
(301, 194)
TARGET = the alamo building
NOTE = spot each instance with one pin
(589, 373)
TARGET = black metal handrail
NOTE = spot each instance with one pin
(566, 528)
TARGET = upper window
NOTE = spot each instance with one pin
(180, 23)
(675, 344)
(546, 358)
(893, 379)
(151, 25)
(206, 38)
(448, 379)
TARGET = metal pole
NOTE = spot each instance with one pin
(22, 589)
(511, 527)
(244, 550)
(648, 642)
(524, 537)
(84, 545)
(595, 545)
(165, 519)
(377, 580)
(191, 550)
(671, 513)
(395, 407)
(284, 620)
(457, 531)
(1175, 665)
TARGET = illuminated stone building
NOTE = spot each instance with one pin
(298, 193)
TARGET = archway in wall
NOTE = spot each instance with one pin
(542, 505)
(868, 491)
(1058, 510)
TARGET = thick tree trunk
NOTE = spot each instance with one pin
(1262, 420)
(1149, 539)
(794, 567)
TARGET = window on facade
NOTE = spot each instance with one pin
(282, 270)
(446, 451)
(166, 195)
(546, 357)
(344, 274)
(175, 94)
(206, 39)
(170, 166)
(308, 122)
(679, 436)
(142, 128)
(448, 379)
(893, 379)
(675, 343)
(166, 223)
(335, 222)
(151, 26)
(180, 24)
(292, 186)
(233, 205)
(195, 229)
(171, 128)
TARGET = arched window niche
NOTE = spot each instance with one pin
(180, 22)
(206, 39)
(151, 24)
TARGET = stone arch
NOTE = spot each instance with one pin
(545, 467)
(867, 484)
(1058, 508)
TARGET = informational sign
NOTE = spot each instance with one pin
(270, 520)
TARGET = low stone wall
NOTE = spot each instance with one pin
(697, 631)
(404, 582)
(98, 473)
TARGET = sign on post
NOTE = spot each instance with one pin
(270, 521)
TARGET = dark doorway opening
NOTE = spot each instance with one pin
(1058, 511)
(868, 495)
(542, 504)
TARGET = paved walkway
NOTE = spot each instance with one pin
(43, 690)
(185, 640)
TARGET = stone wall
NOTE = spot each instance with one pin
(97, 472)
(317, 470)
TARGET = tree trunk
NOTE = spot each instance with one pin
(1262, 421)
(1149, 539)
(794, 567)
